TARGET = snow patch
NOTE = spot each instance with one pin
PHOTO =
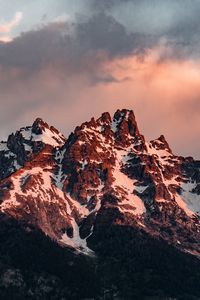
(3, 146)
(27, 148)
(60, 177)
(123, 182)
(181, 203)
(41, 190)
(76, 241)
(47, 137)
(114, 125)
(161, 154)
(140, 189)
(189, 201)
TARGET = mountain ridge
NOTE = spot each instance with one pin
(103, 174)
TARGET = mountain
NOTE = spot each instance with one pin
(109, 198)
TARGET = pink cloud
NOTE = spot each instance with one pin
(6, 27)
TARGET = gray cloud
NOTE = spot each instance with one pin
(174, 21)
(105, 5)
(73, 44)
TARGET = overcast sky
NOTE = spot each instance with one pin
(66, 61)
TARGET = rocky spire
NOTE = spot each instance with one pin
(125, 128)
(161, 144)
(105, 118)
(39, 126)
(125, 122)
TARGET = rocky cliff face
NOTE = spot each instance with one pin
(104, 175)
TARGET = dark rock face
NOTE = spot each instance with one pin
(39, 126)
(104, 173)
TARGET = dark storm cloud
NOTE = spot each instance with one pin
(103, 32)
(184, 35)
(176, 22)
(75, 46)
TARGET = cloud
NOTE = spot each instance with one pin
(66, 72)
(174, 21)
(5, 39)
(6, 27)
(101, 36)
(111, 29)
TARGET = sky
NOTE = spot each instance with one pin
(66, 61)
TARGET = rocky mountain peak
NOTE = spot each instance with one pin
(39, 126)
(125, 121)
(126, 130)
(104, 173)
(47, 134)
(105, 118)
(161, 144)
(40, 131)
(27, 142)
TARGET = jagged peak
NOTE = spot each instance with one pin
(40, 131)
(123, 113)
(48, 134)
(119, 116)
(161, 144)
(122, 125)
(105, 118)
(39, 120)
(39, 126)
(125, 123)
(162, 139)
